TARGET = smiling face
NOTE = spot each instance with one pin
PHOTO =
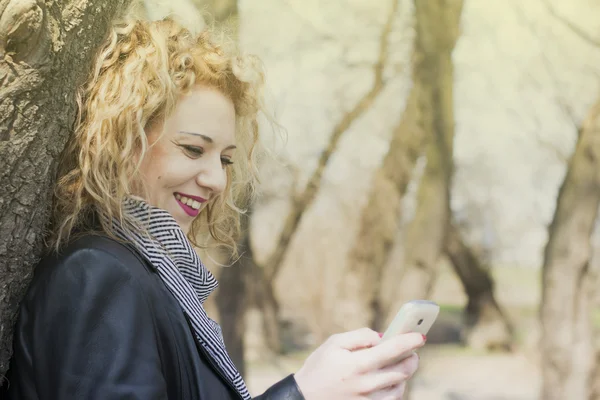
(185, 167)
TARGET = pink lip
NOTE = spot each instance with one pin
(189, 196)
(192, 212)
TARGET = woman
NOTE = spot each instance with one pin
(165, 146)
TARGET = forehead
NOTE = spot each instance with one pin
(207, 111)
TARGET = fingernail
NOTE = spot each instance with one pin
(380, 334)
(424, 338)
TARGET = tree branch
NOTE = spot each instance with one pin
(571, 26)
(322, 33)
(305, 199)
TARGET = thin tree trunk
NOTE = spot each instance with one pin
(46, 50)
(269, 306)
(380, 221)
(301, 202)
(437, 27)
(232, 300)
(486, 324)
(568, 354)
(596, 379)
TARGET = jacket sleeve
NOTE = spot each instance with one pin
(88, 332)
(285, 389)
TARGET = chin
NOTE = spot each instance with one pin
(185, 228)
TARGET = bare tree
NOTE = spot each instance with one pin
(437, 29)
(380, 221)
(379, 224)
(46, 50)
(567, 371)
(567, 344)
(303, 200)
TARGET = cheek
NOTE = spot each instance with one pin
(153, 174)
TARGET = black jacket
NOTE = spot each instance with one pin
(98, 323)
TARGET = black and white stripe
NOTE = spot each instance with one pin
(184, 274)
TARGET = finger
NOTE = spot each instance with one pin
(389, 352)
(392, 393)
(356, 339)
(388, 377)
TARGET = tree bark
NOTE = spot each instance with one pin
(46, 50)
(486, 325)
(568, 354)
(437, 30)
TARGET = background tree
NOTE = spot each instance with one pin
(568, 354)
(302, 201)
(568, 350)
(46, 50)
(437, 30)
(486, 324)
(380, 221)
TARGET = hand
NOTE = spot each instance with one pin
(380, 370)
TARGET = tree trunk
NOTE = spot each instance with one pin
(47, 49)
(486, 325)
(568, 355)
(380, 221)
(595, 395)
(268, 304)
(267, 273)
(437, 30)
(232, 300)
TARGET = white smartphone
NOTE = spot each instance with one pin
(414, 316)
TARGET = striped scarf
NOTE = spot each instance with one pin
(170, 252)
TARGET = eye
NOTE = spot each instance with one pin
(192, 151)
(226, 161)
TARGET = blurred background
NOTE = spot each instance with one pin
(434, 149)
(426, 146)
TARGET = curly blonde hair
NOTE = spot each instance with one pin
(138, 75)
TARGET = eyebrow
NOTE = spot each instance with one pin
(208, 139)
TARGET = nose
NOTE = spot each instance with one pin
(213, 177)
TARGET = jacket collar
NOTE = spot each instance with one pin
(166, 247)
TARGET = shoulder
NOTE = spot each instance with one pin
(97, 249)
(91, 260)
(97, 244)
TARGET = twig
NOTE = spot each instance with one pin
(571, 26)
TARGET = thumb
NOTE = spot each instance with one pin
(356, 339)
